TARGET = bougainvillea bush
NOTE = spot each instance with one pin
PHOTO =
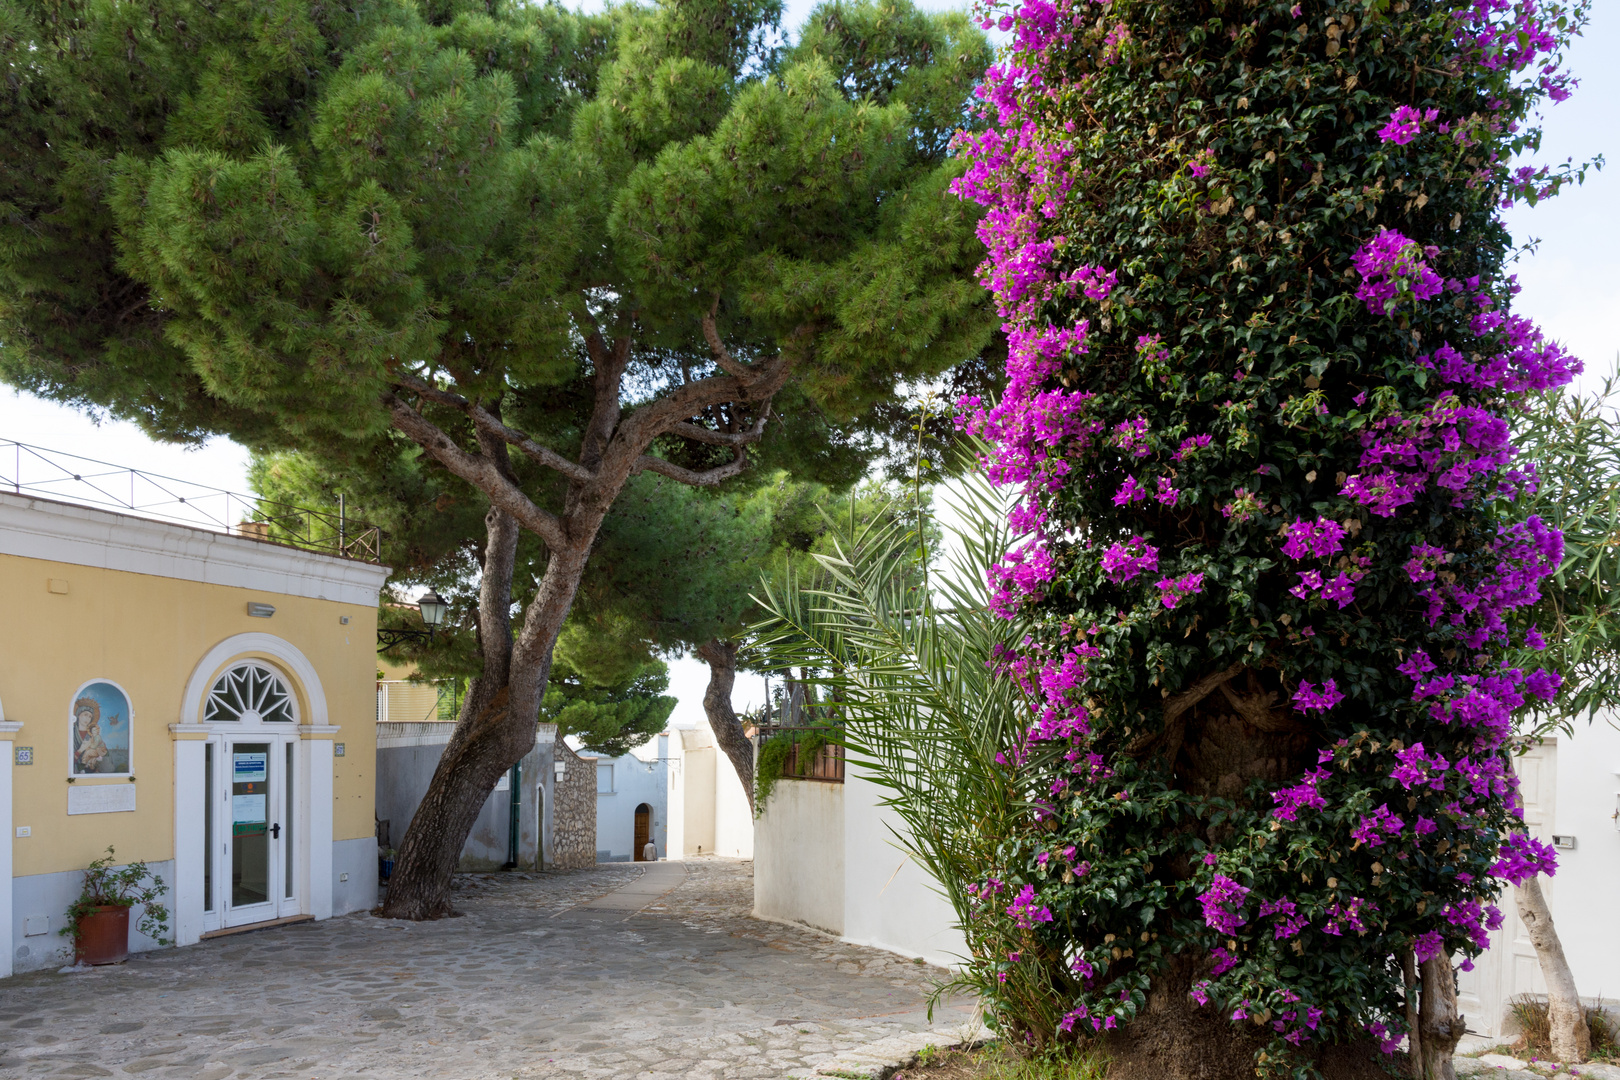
(1262, 363)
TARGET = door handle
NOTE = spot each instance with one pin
(275, 831)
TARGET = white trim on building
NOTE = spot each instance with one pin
(37, 528)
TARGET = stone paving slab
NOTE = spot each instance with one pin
(656, 880)
(1500, 1066)
(527, 982)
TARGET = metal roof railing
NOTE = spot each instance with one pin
(53, 474)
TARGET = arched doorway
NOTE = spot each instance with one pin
(643, 830)
(253, 789)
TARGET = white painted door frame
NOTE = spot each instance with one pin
(8, 732)
(312, 786)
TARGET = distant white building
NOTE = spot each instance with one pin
(678, 790)
(708, 809)
(632, 802)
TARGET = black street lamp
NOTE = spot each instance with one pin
(433, 608)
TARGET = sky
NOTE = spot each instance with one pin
(1570, 281)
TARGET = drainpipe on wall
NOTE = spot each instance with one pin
(514, 817)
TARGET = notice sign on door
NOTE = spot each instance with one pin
(248, 768)
(248, 790)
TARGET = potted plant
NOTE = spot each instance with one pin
(98, 921)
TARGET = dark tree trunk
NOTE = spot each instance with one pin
(721, 656)
(495, 730)
(498, 720)
(1440, 1021)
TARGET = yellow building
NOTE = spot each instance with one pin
(202, 701)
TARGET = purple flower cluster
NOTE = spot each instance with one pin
(1405, 124)
(1021, 574)
(1173, 590)
(1122, 562)
(1455, 447)
(1522, 857)
(1348, 916)
(1290, 922)
(1312, 539)
(1392, 268)
(1223, 904)
(1320, 698)
(1474, 919)
(1302, 796)
(1418, 768)
(1130, 491)
(1428, 945)
(1375, 827)
(1025, 912)
(1191, 446)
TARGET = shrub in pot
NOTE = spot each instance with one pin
(98, 921)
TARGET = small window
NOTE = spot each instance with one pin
(604, 779)
(250, 693)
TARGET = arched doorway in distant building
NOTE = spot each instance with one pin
(643, 830)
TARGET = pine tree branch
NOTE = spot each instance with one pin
(487, 421)
(707, 478)
(609, 362)
(728, 363)
(477, 470)
(723, 438)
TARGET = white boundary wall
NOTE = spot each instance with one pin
(889, 901)
(799, 861)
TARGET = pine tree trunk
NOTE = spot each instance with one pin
(721, 656)
(1566, 1019)
(497, 724)
(1440, 1022)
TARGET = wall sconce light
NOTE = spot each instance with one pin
(261, 611)
(432, 607)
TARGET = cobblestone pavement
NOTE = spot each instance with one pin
(526, 983)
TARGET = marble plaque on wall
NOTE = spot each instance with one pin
(100, 798)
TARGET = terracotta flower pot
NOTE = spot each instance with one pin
(103, 936)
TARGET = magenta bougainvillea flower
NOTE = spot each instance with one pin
(1256, 432)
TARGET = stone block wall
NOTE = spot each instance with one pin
(573, 818)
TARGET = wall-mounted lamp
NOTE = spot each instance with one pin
(433, 608)
(261, 611)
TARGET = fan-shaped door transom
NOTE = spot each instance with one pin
(250, 693)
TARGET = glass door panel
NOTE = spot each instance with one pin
(251, 861)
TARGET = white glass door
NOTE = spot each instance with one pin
(255, 805)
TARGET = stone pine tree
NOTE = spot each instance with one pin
(673, 569)
(1276, 575)
(553, 251)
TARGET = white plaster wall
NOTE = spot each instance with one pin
(696, 794)
(1586, 892)
(890, 902)
(733, 818)
(799, 855)
(354, 875)
(40, 902)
